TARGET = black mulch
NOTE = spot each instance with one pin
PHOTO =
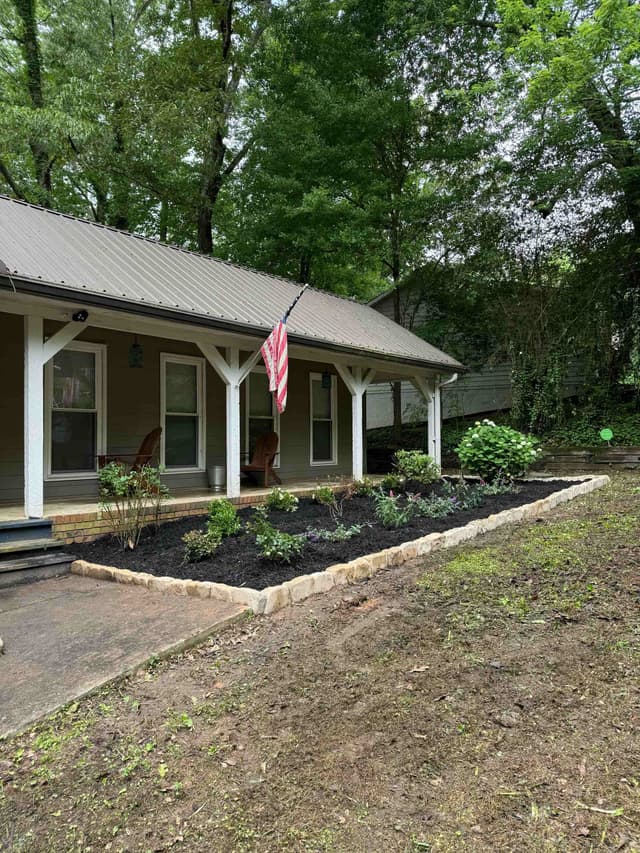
(238, 563)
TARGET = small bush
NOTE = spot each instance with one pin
(131, 499)
(324, 495)
(340, 534)
(416, 465)
(281, 499)
(435, 506)
(496, 452)
(199, 545)
(363, 488)
(389, 509)
(274, 544)
(223, 518)
(393, 481)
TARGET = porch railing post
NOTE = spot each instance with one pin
(33, 417)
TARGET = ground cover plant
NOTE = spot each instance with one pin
(481, 699)
(275, 545)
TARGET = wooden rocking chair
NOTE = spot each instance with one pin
(264, 454)
(144, 456)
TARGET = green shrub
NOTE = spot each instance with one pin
(494, 452)
(324, 495)
(223, 518)
(274, 544)
(389, 509)
(131, 499)
(393, 481)
(416, 465)
(340, 534)
(199, 545)
(435, 506)
(281, 499)
(363, 488)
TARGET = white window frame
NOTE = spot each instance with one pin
(333, 420)
(275, 416)
(199, 364)
(100, 352)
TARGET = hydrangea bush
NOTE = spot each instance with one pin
(496, 452)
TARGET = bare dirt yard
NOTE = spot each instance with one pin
(481, 699)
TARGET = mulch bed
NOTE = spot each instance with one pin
(238, 563)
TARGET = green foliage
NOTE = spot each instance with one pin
(583, 424)
(324, 495)
(281, 499)
(334, 501)
(393, 481)
(274, 544)
(416, 465)
(223, 518)
(393, 510)
(200, 545)
(363, 488)
(131, 499)
(494, 452)
(340, 534)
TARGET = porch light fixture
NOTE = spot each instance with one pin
(326, 379)
(80, 316)
(136, 354)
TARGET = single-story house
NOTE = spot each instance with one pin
(105, 336)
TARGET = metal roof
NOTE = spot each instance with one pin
(92, 260)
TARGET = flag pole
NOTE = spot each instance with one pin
(293, 304)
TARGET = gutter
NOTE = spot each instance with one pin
(34, 287)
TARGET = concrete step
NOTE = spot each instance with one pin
(19, 530)
(34, 568)
(7, 549)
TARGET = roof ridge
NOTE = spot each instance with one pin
(175, 247)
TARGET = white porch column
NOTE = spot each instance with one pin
(37, 353)
(33, 418)
(233, 375)
(430, 390)
(357, 385)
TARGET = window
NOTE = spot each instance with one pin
(75, 428)
(261, 412)
(324, 426)
(182, 402)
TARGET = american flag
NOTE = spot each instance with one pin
(276, 359)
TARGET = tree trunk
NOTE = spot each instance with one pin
(30, 46)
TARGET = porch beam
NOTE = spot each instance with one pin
(33, 417)
(60, 339)
(357, 383)
(248, 365)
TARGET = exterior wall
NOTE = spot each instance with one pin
(11, 406)
(133, 410)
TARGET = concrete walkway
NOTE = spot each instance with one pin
(66, 636)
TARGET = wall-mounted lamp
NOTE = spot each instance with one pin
(136, 354)
(80, 316)
(326, 379)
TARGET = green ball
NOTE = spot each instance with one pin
(606, 434)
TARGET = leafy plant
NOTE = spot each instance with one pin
(416, 465)
(200, 545)
(393, 481)
(334, 501)
(496, 452)
(390, 510)
(131, 499)
(223, 518)
(323, 495)
(363, 488)
(435, 506)
(281, 499)
(274, 544)
(340, 534)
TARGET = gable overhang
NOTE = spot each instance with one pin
(55, 302)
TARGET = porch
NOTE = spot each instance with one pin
(81, 520)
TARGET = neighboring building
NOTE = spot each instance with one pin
(105, 336)
(487, 389)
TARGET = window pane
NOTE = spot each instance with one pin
(260, 398)
(321, 400)
(74, 380)
(322, 434)
(73, 441)
(181, 441)
(181, 387)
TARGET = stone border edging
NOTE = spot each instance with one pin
(273, 598)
